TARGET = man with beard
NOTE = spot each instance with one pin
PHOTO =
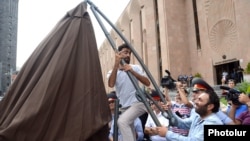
(126, 92)
(199, 86)
(206, 105)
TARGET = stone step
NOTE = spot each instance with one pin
(215, 87)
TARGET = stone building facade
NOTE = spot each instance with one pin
(8, 41)
(185, 37)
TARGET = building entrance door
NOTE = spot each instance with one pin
(227, 67)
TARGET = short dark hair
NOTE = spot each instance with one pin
(122, 46)
(213, 99)
(231, 80)
(112, 95)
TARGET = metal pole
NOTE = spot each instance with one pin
(138, 90)
(140, 94)
(116, 116)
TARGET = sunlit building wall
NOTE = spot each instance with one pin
(185, 37)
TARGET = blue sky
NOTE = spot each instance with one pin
(36, 18)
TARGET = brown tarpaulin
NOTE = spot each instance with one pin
(59, 94)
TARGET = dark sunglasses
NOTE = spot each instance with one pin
(151, 103)
(111, 101)
(197, 91)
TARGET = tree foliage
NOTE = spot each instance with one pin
(244, 87)
(247, 70)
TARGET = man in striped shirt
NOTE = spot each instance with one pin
(181, 106)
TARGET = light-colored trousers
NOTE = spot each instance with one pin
(127, 118)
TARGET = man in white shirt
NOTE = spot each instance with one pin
(150, 127)
(126, 92)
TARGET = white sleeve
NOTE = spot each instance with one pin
(138, 69)
(109, 73)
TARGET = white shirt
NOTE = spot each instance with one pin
(150, 123)
(125, 89)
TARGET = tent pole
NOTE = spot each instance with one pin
(168, 114)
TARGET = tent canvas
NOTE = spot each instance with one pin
(59, 94)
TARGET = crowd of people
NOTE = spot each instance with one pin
(236, 74)
(191, 115)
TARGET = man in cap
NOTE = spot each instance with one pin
(137, 123)
(111, 99)
(199, 86)
(150, 127)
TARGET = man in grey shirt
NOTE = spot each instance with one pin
(126, 91)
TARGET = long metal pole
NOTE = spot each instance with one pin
(116, 115)
(136, 85)
(169, 113)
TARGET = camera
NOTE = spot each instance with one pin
(167, 81)
(232, 94)
(182, 78)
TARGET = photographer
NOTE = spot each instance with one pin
(244, 117)
(230, 100)
(168, 82)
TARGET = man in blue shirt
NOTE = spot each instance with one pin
(206, 105)
(199, 86)
(240, 107)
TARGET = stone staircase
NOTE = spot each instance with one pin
(217, 90)
(215, 87)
